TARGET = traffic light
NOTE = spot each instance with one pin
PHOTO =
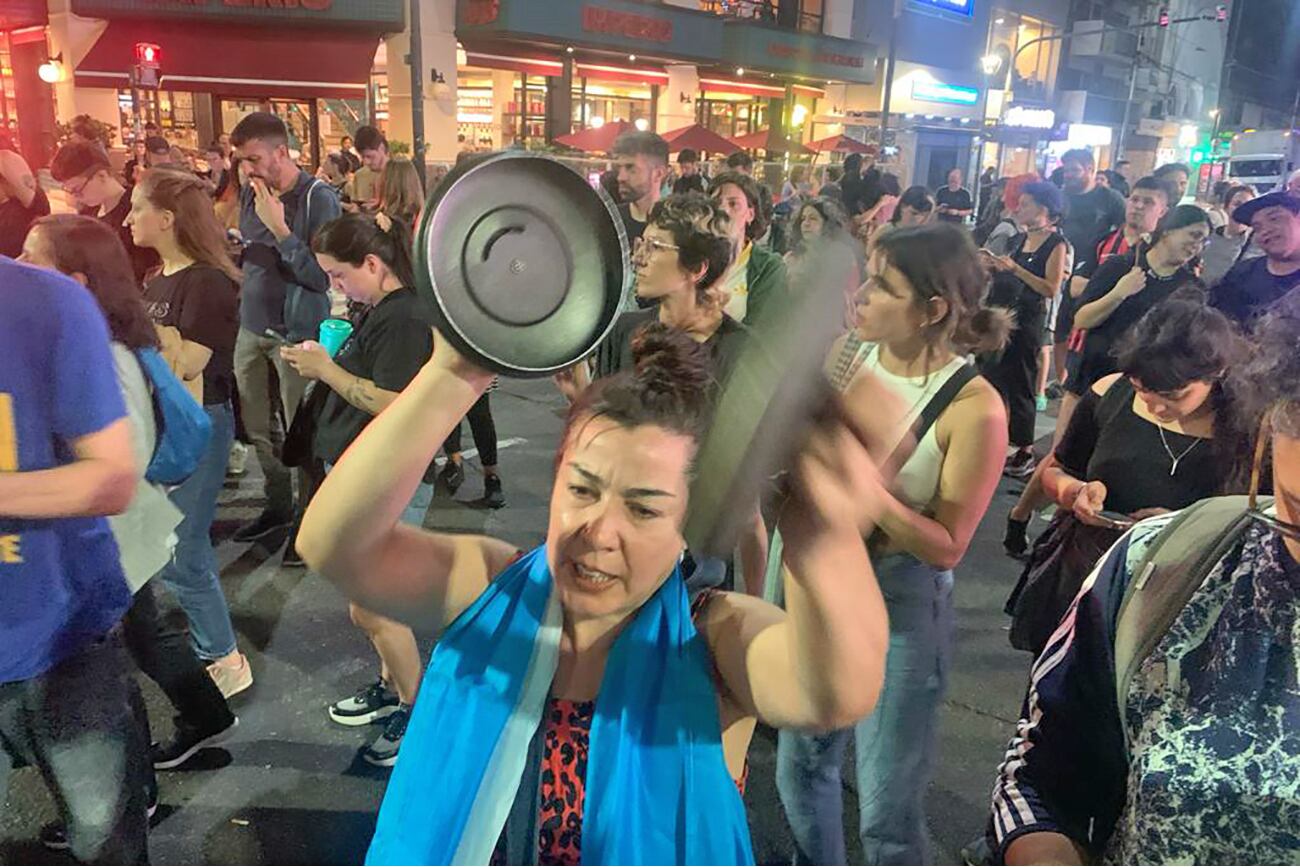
(1221, 12)
(1163, 19)
(147, 54)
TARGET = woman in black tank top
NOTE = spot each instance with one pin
(1024, 282)
(1155, 438)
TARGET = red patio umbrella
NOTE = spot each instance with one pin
(768, 140)
(699, 138)
(596, 139)
(841, 144)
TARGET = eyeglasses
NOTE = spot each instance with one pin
(78, 190)
(1285, 528)
(650, 245)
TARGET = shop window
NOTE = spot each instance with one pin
(8, 105)
(805, 15)
(1030, 54)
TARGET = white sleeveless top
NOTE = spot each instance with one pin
(917, 482)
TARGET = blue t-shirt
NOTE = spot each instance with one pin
(61, 582)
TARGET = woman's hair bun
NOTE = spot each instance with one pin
(670, 363)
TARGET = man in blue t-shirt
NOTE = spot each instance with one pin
(1256, 286)
(65, 462)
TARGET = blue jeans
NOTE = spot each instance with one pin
(192, 572)
(895, 746)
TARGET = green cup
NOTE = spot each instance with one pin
(333, 334)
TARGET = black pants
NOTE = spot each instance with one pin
(77, 724)
(484, 430)
(1014, 373)
(163, 652)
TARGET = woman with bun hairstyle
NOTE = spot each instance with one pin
(918, 317)
(578, 708)
(368, 260)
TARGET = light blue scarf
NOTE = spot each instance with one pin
(657, 787)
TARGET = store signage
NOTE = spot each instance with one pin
(479, 12)
(1150, 126)
(1023, 117)
(959, 7)
(630, 25)
(949, 94)
(386, 12)
(830, 58)
(22, 13)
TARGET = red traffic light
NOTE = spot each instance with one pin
(1163, 20)
(148, 54)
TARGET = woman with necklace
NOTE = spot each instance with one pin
(1153, 438)
(1025, 281)
(917, 316)
(1125, 287)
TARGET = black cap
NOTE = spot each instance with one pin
(1246, 212)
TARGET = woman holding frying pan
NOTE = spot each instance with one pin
(578, 707)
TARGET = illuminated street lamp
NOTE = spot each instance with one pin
(51, 71)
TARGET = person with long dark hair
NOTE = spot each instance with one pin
(1025, 281)
(194, 303)
(368, 259)
(1154, 437)
(822, 245)
(919, 315)
(91, 253)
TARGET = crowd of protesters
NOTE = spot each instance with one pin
(594, 699)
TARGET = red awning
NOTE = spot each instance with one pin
(237, 60)
(596, 139)
(841, 144)
(698, 138)
(768, 140)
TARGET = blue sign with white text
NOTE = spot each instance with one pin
(959, 7)
(951, 94)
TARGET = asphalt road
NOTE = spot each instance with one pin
(290, 787)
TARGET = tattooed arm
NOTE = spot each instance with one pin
(361, 393)
(17, 178)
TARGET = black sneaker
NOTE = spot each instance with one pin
(371, 703)
(292, 559)
(493, 496)
(54, 836)
(1021, 465)
(186, 741)
(265, 524)
(383, 752)
(1016, 540)
(451, 477)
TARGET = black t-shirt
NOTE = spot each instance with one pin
(634, 227)
(1250, 289)
(389, 346)
(615, 353)
(1099, 341)
(15, 220)
(958, 199)
(143, 259)
(203, 304)
(1089, 218)
(1107, 442)
(689, 184)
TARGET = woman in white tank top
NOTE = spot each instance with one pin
(918, 315)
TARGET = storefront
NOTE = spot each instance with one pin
(26, 100)
(309, 63)
(659, 67)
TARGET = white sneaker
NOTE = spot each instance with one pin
(237, 463)
(232, 679)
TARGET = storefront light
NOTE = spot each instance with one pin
(51, 71)
(597, 122)
(1089, 135)
(641, 124)
(1189, 135)
(798, 115)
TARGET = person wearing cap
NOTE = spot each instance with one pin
(689, 179)
(1253, 286)
(158, 151)
(88, 180)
